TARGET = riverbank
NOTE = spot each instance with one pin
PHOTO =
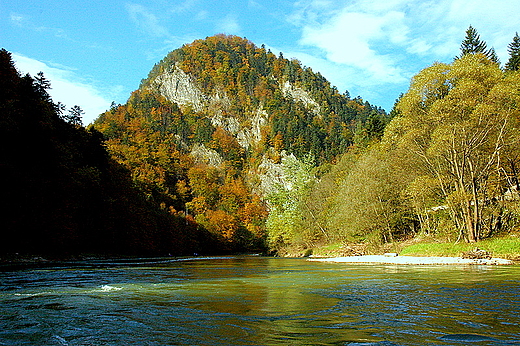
(506, 247)
(414, 260)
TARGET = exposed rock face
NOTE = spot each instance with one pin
(251, 133)
(230, 124)
(203, 155)
(219, 101)
(301, 95)
(272, 175)
(178, 87)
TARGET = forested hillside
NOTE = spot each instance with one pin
(62, 192)
(211, 131)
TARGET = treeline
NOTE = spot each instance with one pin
(446, 166)
(63, 194)
(156, 177)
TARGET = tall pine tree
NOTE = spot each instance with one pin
(472, 44)
(513, 64)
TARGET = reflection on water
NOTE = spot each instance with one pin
(259, 301)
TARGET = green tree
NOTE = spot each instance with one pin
(493, 56)
(286, 202)
(367, 203)
(456, 121)
(472, 43)
(513, 64)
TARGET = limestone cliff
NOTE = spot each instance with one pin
(180, 88)
(203, 155)
(299, 94)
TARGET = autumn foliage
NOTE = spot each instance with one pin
(157, 139)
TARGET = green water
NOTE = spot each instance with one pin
(259, 301)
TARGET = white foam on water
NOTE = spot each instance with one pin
(26, 295)
(108, 288)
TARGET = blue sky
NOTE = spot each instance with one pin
(95, 52)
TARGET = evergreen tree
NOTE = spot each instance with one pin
(513, 64)
(42, 85)
(75, 116)
(493, 56)
(473, 45)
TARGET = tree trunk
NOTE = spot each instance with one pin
(458, 170)
(476, 210)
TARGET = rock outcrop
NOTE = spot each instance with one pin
(179, 87)
(299, 94)
(251, 133)
(203, 155)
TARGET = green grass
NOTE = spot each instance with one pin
(504, 247)
(327, 250)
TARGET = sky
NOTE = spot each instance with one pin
(97, 52)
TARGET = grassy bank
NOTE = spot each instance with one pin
(502, 247)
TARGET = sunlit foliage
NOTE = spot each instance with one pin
(196, 166)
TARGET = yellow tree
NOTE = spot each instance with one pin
(456, 122)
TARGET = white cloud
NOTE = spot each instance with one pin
(228, 25)
(434, 27)
(357, 82)
(349, 39)
(66, 88)
(17, 18)
(146, 21)
(418, 46)
(181, 7)
(26, 22)
(254, 4)
(496, 21)
(378, 45)
(201, 15)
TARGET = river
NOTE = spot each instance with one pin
(252, 300)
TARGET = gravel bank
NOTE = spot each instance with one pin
(381, 259)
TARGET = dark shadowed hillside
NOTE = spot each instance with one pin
(62, 192)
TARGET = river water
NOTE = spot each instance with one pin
(258, 301)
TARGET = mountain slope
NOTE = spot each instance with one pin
(63, 194)
(206, 133)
